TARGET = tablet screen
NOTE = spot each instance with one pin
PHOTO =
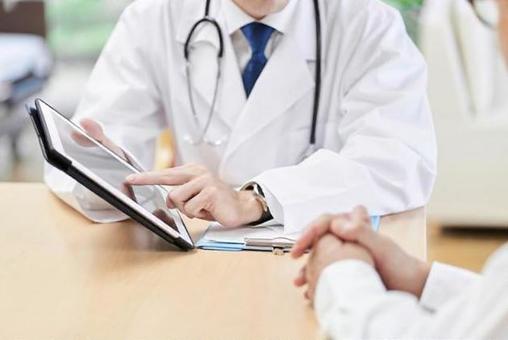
(76, 145)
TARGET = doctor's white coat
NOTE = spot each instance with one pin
(375, 135)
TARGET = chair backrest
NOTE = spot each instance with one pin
(447, 90)
(23, 17)
(467, 78)
(482, 61)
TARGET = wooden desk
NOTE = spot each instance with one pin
(62, 277)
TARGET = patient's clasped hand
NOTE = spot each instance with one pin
(364, 286)
(350, 237)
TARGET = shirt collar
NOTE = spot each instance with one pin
(236, 18)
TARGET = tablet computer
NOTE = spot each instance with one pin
(69, 148)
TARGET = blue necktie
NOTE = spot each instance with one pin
(257, 35)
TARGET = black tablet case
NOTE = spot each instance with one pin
(64, 164)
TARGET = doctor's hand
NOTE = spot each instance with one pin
(94, 130)
(398, 270)
(326, 251)
(199, 194)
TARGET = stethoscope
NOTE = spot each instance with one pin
(202, 137)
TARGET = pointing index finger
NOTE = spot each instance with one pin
(174, 176)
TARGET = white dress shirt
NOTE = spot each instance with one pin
(352, 303)
(236, 18)
(280, 21)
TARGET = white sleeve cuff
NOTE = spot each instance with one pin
(443, 283)
(80, 198)
(274, 206)
(342, 287)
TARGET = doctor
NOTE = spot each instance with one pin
(308, 106)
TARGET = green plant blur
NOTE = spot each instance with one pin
(405, 4)
(410, 9)
(80, 28)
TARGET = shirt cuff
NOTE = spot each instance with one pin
(443, 283)
(342, 286)
(274, 206)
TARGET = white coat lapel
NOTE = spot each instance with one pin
(203, 66)
(285, 79)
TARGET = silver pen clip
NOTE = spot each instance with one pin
(278, 245)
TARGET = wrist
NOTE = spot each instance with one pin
(348, 261)
(257, 193)
(252, 209)
(359, 253)
(421, 275)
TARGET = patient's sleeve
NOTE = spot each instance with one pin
(351, 302)
(445, 282)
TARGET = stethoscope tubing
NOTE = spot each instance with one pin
(207, 19)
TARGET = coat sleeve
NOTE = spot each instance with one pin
(444, 283)
(122, 95)
(352, 303)
(387, 161)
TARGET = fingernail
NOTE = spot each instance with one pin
(131, 178)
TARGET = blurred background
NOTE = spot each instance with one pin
(48, 49)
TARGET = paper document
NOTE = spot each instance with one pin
(252, 238)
